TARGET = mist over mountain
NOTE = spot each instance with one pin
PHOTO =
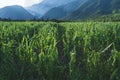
(41, 8)
(64, 10)
(15, 13)
(77, 9)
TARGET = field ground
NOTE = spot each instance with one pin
(60, 51)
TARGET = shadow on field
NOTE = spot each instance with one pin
(64, 58)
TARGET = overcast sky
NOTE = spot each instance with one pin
(23, 3)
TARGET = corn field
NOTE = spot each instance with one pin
(59, 51)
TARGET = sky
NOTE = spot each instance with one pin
(23, 3)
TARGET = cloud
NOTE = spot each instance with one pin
(11, 2)
(23, 3)
(31, 2)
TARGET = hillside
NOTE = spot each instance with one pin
(95, 8)
(65, 10)
(15, 13)
(41, 8)
(62, 11)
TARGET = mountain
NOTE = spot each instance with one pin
(64, 10)
(44, 6)
(15, 13)
(95, 8)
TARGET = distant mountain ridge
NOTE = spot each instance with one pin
(41, 8)
(94, 8)
(62, 11)
(15, 13)
(84, 9)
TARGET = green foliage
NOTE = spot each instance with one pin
(64, 51)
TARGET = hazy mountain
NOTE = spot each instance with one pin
(15, 13)
(44, 6)
(94, 8)
(64, 10)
